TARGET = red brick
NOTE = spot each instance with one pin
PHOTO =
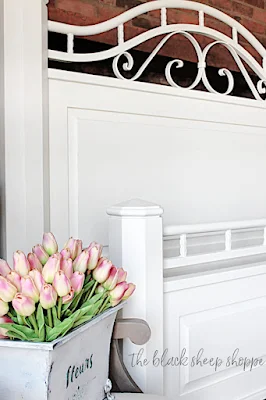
(109, 2)
(222, 4)
(255, 3)
(254, 27)
(182, 17)
(144, 22)
(259, 15)
(76, 7)
(242, 9)
(68, 17)
(103, 13)
(218, 25)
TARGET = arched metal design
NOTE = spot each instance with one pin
(238, 52)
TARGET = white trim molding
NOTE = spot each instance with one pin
(121, 50)
(24, 175)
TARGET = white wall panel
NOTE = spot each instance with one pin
(109, 143)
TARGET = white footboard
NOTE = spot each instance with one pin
(206, 310)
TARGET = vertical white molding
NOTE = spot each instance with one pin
(183, 245)
(26, 189)
(136, 243)
(228, 240)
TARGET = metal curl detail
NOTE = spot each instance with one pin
(201, 75)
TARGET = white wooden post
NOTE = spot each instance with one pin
(136, 243)
(24, 124)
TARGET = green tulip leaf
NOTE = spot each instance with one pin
(88, 285)
(40, 322)
(13, 335)
(62, 328)
(82, 320)
(76, 300)
(56, 320)
(93, 300)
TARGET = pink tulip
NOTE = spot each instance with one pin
(95, 252)
(34, 262)
(4, 307)
(66, 266)
(130, 290)
(111, 281)
(66, 254)
(40, 253)
(117, 293)
(102, 271)
(3, 331)
(21, 264)
(79, 247)
(81, 262)
(37, 278)
(15, 279)
(48, 296)
(4, 268)
(69, 297)
(29, 289)
(61, 284)
(23, 305)
(77, 281)
(7, 290)
(51, 267)
(73, 246)
(122, 275)
(49, 243)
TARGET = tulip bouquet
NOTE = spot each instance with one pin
(49, 293)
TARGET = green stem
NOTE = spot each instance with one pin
(10, 315)
(34, 323)
(104, 305)
(50, 319)
(92, 291)
(87, 279)
(59, 308)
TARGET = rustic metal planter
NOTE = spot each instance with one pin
(74, 367)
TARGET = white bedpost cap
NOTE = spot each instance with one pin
(135, 208)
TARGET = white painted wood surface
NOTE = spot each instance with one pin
(197, 154)
(24, 135)
(135, 241)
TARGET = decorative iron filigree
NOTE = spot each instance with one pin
(238, 52)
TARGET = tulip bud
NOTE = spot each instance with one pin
(40, 253)
(37, 278)
(4, 307)
(122, 275)
(79, 247)
(29, 289)
(7, 290)
(48, 296)
(73, 246)
(129, 291)
(111, 281)
(81, 262)
(77, 281)
(117, 293)
(102, 271)
(34, 262)
(23, 305)
(15, 279)
(21, 264)
(66, 254)
(67, 267)
(4, 268)
(61, 284)
(100, 289)
(95, 251)
(51, 267)
(49, 243)
(69, 297)
(3, 331)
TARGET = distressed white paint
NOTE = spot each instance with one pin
(135, 242)
(44, 371)
(24, 183)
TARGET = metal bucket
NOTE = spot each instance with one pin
(74, 367)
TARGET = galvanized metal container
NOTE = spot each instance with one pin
(74, 367)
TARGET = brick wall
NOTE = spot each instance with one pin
(250, 13)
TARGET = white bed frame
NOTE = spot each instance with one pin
(199, 155)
